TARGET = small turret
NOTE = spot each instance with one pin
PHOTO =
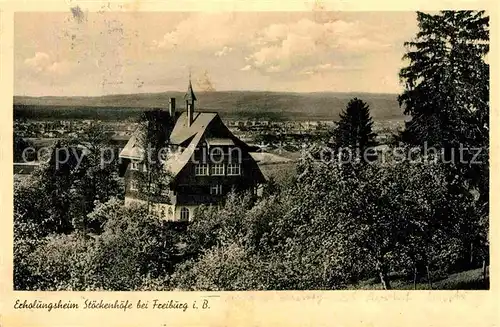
(190, 99)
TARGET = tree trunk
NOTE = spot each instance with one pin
(149, 190)
(415, 277)
(485, 272)
(384, 280)
(471, 258)
(382, 273)
(429, 281)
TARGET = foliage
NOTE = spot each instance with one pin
(447, 79)
(20, 145)
(62, 192)
(221, 268)
(55, 201)
(354, 129)
(103, 212)
(133, 251)
(331, 228)
(447, 96)
(447, 90)
(133, 246)
(59, 262)
(154, 129)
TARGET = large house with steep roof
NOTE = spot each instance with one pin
(205, 161)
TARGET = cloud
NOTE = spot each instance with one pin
(42, 63)
(38, 62)
(274, 69)
(311, 70)
(328, 67)
(293, 47)
(306, 43)
(241, 50)
(202, 31)
(223, 52)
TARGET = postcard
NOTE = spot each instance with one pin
(248, 164)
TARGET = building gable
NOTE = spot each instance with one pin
(206, 127)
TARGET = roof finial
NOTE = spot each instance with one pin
(190, 93)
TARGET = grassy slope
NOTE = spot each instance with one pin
(231, 104)
(465, 280)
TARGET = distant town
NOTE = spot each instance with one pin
(268, 134)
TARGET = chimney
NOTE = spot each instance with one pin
(171, 107)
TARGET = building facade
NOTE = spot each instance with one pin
(204, 161)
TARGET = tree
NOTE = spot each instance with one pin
(58, 262)
(95, 138)
(20, 145)
(100, 182)
(386, 217)
(154, 129)
(221, 268)
(134, 246)
(447, 79)
(55, 181)
(447, 88)
(134, 249)
(354, 130)
(65, 189)
(447, 96)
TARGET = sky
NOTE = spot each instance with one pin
(78, 53)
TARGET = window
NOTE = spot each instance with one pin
(201, 170)
(217, 169)
(134, 165)
(133, 185)
(233, 169)
(144, 168)
(184, 214)
(216, 154)
(216, 189)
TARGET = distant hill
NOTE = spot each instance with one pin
(229, 104)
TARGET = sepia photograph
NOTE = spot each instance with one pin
(251, 151)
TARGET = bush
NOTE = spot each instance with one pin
(58, 262)
(134, 250)
(333, 226)
(221, 268)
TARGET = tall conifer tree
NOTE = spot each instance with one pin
(354, 129)
(447, 78)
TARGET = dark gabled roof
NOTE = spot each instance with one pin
(183, 131)
(190, 93)
(181, 134)
(189, 137)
